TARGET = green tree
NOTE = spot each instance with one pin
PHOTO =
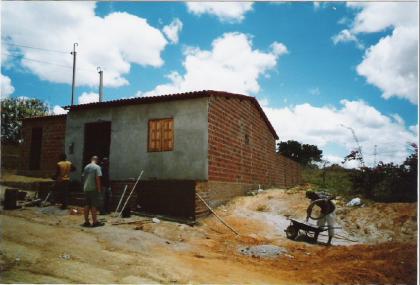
(305, 154)
(13, 110)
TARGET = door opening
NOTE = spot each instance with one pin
(36, 146)
(97, 141)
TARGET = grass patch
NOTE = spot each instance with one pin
(334, 181)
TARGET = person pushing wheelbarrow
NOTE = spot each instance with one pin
(327, 211)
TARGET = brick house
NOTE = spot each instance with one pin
(217, 144)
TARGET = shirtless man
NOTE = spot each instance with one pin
(327, 212)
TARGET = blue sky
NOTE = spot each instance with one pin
(336, 63)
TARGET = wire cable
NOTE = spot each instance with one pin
(37, 60)
(37, 48)
(22, 57)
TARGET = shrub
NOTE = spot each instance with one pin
(388, 182)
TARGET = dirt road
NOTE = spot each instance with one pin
(47, 245)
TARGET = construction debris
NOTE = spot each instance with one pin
(263, 251)
(74, 211)
(131, 193)
(65, 256)
(36, 202)
(354, 202)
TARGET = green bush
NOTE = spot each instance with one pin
(388, 182)
(383, 183)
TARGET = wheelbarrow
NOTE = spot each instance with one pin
(311, 231)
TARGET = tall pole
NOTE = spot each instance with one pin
(74, 72)
(101, 74)
(359, 147)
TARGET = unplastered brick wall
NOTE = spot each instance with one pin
(242, 151)
(53, 134)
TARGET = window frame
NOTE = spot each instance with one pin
(162, 130)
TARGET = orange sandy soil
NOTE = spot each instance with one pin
(34, 242)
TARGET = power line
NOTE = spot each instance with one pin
(45, 62)
(37, 60)
(37, 48)
(43, 49)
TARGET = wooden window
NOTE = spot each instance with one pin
(161, 135)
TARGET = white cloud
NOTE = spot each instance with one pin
(377, 16)
(263, 102)
(392, 63)
(278, 48)
(88, 97)
(398, 119)
(343, 21)
(6, 86)
(113, 42)
(335, 159)
(231, 65)
(57, 110)
(322, 126)
(233, 12)
(172, 30)
(347, 36)
(315, 91)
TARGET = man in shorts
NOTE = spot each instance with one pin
(91, 178)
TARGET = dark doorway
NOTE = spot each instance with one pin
(97, 140)
(36, 145)
(173, 198)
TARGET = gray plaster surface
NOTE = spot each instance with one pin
(129, 135)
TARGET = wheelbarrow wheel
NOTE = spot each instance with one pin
(292, 232)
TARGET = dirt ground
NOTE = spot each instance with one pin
(47, 245)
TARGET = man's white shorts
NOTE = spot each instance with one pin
(330, 221)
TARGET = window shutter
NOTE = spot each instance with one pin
(161, 135)
(151, 142)
(158, 136)
(167, 131)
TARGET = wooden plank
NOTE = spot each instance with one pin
(214, 213)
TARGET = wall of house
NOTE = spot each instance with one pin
(53, 132)
(241, 152)
(129, 135)
(11, 156)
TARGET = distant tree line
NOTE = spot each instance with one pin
(13, 110)
(305, 154)
(385, 182)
